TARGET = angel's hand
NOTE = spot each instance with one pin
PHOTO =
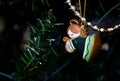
(65, 39)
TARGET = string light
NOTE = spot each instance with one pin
(83, 20)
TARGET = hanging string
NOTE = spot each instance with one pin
(89, 24)
(84, 8)
(80, 8)
(82, 15)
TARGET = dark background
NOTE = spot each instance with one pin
(106, 66)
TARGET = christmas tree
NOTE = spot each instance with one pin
(34, 49)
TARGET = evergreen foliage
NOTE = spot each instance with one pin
(44, 57)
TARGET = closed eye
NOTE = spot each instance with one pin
(72, 34)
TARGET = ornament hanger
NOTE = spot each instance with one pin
(83, 19)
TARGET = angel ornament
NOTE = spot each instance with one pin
(79, 38)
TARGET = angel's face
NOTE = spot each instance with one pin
(72, 34)
(73, 31)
